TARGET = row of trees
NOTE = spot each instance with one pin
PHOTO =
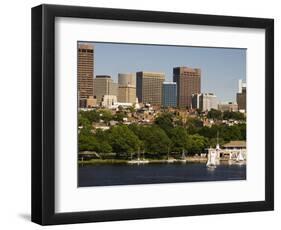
(97, 115)
(158, 139)
(226, 115)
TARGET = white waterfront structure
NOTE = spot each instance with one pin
(234, 152)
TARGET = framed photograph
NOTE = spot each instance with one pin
(143, 114)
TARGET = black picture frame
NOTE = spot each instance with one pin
(43, 114)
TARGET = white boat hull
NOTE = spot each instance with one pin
(138, 162)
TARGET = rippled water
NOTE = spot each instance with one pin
(124, 174)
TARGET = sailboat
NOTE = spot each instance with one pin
(240, 157)
(138, 161)
(218, 149)
(212, 158)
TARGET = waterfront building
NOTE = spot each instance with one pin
(149, 87)
(204, 101)
(188, 82)
(241, 97)
(104, 85)
(126, 88)
(169, 94)
(85, 72)
(233, 150)
(231, 107)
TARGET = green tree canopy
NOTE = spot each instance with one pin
(105, 115)
(227, 115)
(231, 133)
(119, 116)
(85, 124)
(193, 125)
(154, 139)
(92, 115)
(179, 139)
(123, 140)
(165, 122)
(215, 114)
(88, 143)
(196, 144)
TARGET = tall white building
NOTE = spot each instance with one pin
(204, 101)
(108, 101)
(241, 85)
(241, 96)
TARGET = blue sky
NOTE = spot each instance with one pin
(221, 68)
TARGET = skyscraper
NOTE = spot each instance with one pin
(149, 87)
(127, 88)
(241, 85)
(169, 94)
(241, 96)
(104, 85)
(85, 72)
(188, 82)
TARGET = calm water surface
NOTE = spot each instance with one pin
(124, 174)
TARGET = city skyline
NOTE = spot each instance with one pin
(134, 114)
(221, 67)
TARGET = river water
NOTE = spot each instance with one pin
(124, 174)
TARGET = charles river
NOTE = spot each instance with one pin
(124, 174)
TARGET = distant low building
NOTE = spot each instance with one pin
(231, 107)
(204, 101)
(108, 101)
(91, 102)
(117, 105)
(100, 126)
(235, 145)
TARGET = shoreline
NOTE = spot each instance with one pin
(202, 160)
(151, 161)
